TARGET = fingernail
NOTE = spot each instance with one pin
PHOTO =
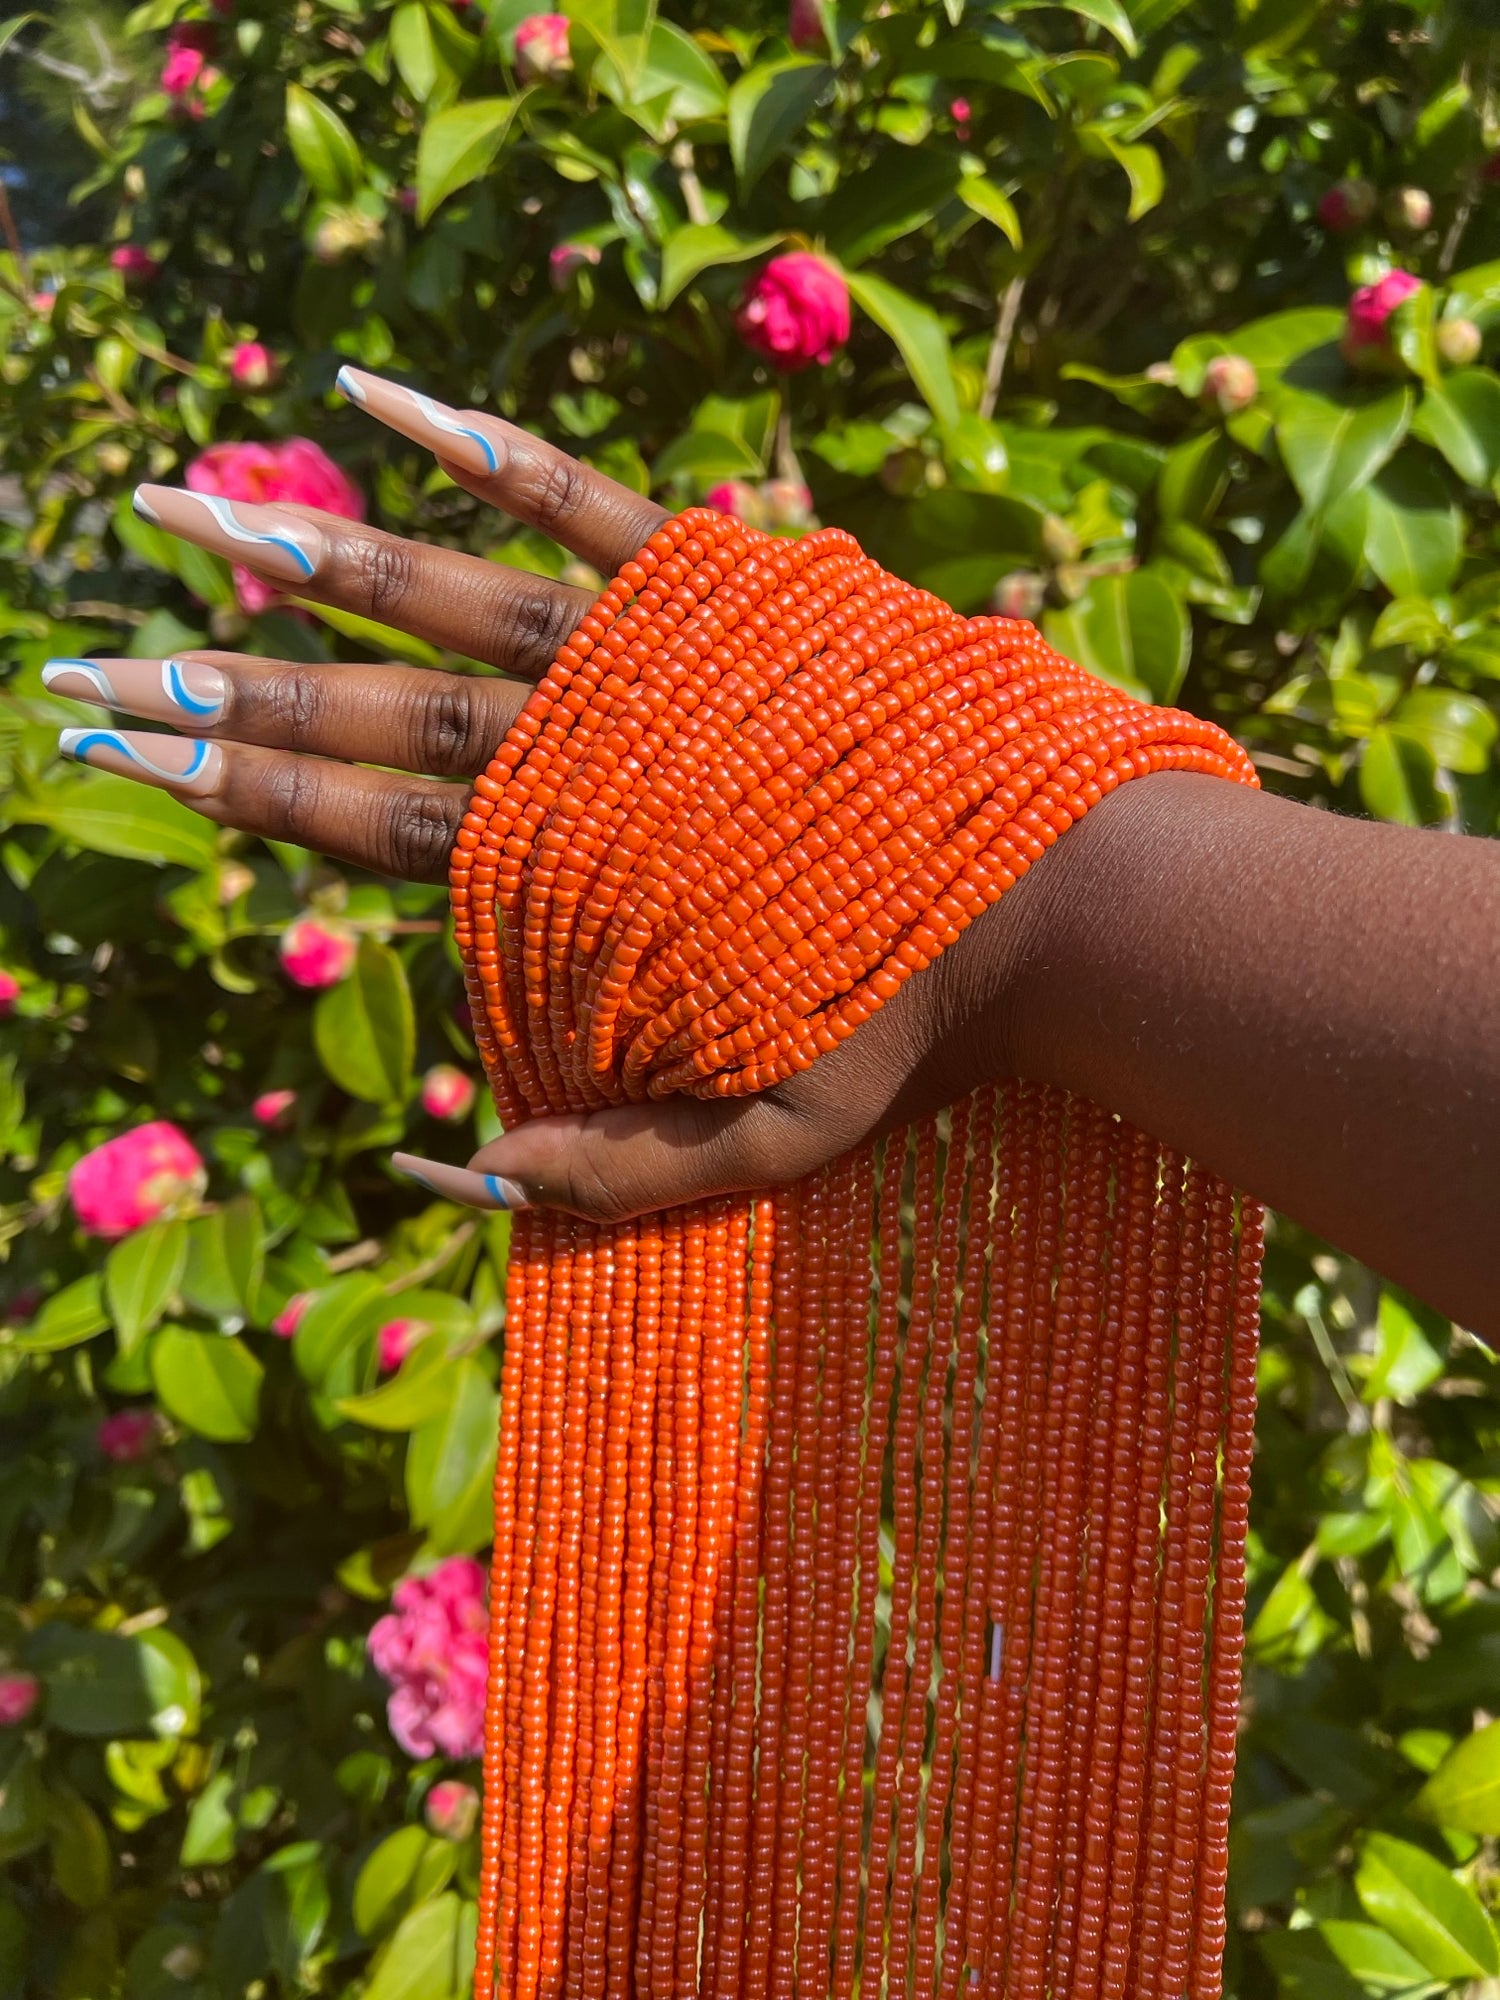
(175, 763)
(188, 693)
(465, 438)
(266, 539)
(460, 1184)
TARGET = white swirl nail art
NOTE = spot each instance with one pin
(56, 670)
(85, 746)
(172, 510)
(176, 690)
(386, 404)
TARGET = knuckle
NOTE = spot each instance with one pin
(295, 702)
(386, 574)
(560, 490)
(445, 726)
(421, 835)
(530, 627)
(291, 790)
(590, 1191)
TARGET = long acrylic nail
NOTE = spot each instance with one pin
(187, 693)
(267, 539)
(460, 1184)
(465, 438)
(175, 763)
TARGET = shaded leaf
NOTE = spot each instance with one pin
(918, 333)
(768, 107)
(364, 1028)
(698, 247)
(457, 146)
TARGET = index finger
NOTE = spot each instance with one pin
(598, 519)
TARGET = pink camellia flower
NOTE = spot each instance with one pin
(804, 25)
(1367, 336)
(295, 469)
(447, 1093)
(133, 263)
(1230, 383)
(542, 46)
(251, 365)
(737, 497)
(431, 1648)
(961, 112)
(289, 1318)
(796, 311)
(127, 1182)
(272, 1106)
(127, 1435)
(315, 952)
(451, 1809)
(19, 1694)
(565, 259)
(1346, 205)
(395, 1341)
(181, 71)
(10, 992)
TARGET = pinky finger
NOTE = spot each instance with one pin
(380, 820)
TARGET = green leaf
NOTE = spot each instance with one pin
(421, 1388)
(336, 1324)
(1332, 447)
(414, 49)
(1130, 630)
(409, 1866)
(699, 247)
(110, 815)
(918, 333)
(381, 641)
(1458, 729)
(82, 1865)
(1464, 1791)
(1460, 416)
(1374, 1958)
(426, 1957)
(1438, 1918)
(896, 194)
(208, 1381)
(450, 1462)
(225, 1259)
(324, 147)
(769, 107)
(1107, 14)
(113, 1684)
(457, 146)
(1405, 1361)
(364, 1028)
(1142, 167)
(1194, 477)
(985, 199)
(1414, 533)
(141, 1275)
(1398, 780)
(707, 456)
(975, 455)
(74, 1314)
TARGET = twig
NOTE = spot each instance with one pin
(115, 400)
(1456, 228)
(1005, 326)
(356, 1255)
(420, 1273)
(788, 466)
(688, 181)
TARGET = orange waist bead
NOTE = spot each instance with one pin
(868, 1584)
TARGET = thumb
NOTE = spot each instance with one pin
(627, 1160)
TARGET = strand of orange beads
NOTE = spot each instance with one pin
(762, 784)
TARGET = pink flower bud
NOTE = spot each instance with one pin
(787, 504)
(451, 1809)
(447, 1093)
(1408, 208)
(252, 365)
(289, 1318)
(272, 1106)
(961, 111)
(1458, 342)
(135, 265)
(1347, 205)
(1230, 383)
(10, 993)
(542, 47)
(565, 259)
(395, 1341)
(804, 25)
(42, 302)
(151, 1171)
(1019, 595)
(796, 311)
(19, 1694)
(127, 1435)
(317, 953)
(737, 497)
(181, 71)
(1367, 339)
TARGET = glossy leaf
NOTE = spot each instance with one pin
(918, 333)
(1464, 1791)
(700, 247)
(1414, 534)
(1130, 630)
(1426, 1908)
(324, 147)
(426, 1958)
(1460, 415)
(1332, 447)
(74, 1314)
(208, 1381)
(457, 146)
(140, 1277)
(110, 815)
(364, 1027)
(769, 107)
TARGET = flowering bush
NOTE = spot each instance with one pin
(1045, 305)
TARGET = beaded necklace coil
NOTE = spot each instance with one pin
(867, 1597)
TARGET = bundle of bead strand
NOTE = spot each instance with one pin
(867, 1594)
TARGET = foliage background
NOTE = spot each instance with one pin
(207, 1802)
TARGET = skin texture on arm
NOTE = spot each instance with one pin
(1309, 1005)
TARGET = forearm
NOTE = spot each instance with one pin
(1308, 1004)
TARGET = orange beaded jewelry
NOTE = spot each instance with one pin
(851, 1612)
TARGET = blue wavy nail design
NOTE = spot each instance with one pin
(437, 415)
(77, 743)
(234, 528)
(94, 675)
(176, 690)
(494, 1187)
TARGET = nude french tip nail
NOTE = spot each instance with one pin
(266, 539)
(187, 693)
(174, 763)
(462, 437)
(461, 1184)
